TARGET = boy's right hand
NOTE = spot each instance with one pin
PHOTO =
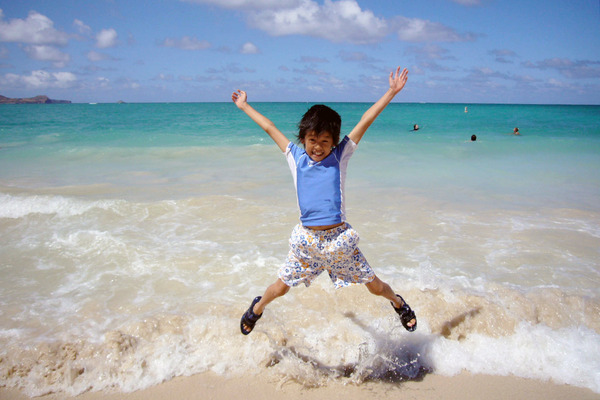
(239, 98)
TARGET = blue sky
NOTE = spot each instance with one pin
(457, 51)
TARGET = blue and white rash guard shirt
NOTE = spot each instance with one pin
(320, 185)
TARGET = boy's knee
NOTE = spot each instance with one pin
(376, 286)
(280, 288)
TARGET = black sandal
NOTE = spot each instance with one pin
(249, 318)
(406, 315)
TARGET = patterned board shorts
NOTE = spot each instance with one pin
(335, 250)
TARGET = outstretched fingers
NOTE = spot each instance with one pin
(398, 80)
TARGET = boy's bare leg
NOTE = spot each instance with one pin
(380, 288)
(274, 291)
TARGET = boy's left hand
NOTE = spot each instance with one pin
(398, 80)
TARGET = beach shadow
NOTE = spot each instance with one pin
(398, 359)
(324, 369)
(395, 359)
(455, 322)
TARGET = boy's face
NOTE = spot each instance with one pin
(318, 147)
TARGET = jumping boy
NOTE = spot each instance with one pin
(323, 240)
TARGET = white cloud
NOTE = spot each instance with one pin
(249, 48)
(503, 56)
(314, 88)
(312, 60)
(429, 52)
(165, 78)
(555, 83)
(580, 69)
(468, 2)
(337, 21)
(102, 82)
(355, 56)
(310, 71)
(35, 29)
(95, 56)
(187, 43)
(40, 80)
(127, 84)
(48, 53)
(332, 81)
(375, 82)
(432, 66)
(83, 28)
(250, 4)
(420, 30)
(106, 38)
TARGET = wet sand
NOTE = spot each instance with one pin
(461, 387)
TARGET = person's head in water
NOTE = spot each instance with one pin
(415, 127)
(473, 138)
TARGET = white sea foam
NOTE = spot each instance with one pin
(329, 346)
(566, 356)
(20, 206)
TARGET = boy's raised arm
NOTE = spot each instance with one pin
(397, 82)
(240, 100)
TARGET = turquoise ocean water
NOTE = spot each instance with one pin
(135, 235)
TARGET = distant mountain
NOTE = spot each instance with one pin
(32, 100)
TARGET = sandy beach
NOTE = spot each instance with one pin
(463, 387)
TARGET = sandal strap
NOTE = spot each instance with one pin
(249, 318)
(406, 314)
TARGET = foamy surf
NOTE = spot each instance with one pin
(305, 344)
(125, 295)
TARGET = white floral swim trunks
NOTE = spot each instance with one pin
(335, 250)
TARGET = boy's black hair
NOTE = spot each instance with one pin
(320, 118)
